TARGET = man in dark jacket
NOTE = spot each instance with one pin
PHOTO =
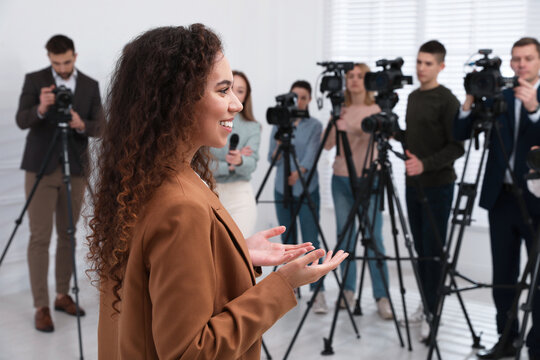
(520, 129)
(40, 113)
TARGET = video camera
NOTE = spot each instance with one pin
(63, 99)
(333, 83)
(488, 82)
(389, 79)
(285, 110)
(381, 122)
(384, 83)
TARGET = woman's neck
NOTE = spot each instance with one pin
(358, 98)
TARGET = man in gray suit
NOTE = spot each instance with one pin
(38, 112)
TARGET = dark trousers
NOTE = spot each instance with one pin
(507, 229)
(439, 201)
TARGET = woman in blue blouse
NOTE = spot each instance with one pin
(233, 168)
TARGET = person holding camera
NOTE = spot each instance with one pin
(306, 140)
(233, 166)
(519, 130)
(359, 104)
(40, 113)
(431, 150)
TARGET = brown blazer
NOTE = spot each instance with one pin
(189, 289)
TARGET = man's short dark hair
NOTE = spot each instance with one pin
(59, 44)
(302, 84)
(434, 48)
(524, 41)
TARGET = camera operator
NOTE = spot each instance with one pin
(519, 128)
(306, 140)
(359, 104)
(431, 152)
(39, 112)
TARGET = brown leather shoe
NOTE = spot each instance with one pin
(66, 304)
(43, 320)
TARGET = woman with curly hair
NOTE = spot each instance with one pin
(176, 276)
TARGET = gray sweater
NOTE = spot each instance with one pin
(249, 134)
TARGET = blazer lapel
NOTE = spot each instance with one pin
(47, 78)
(225, 218)
(510, 103)
(236, 236)
(78, 93)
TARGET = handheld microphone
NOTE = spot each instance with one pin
(233, 141)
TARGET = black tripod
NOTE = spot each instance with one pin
(62, 132)
(462, 217)
(286, 150)
(381, 170)
(532, 268)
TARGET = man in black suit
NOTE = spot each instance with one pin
(38, 112)
(520, 128)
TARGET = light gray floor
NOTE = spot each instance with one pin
(379, 340)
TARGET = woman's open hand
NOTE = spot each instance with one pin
(266, 253)
(299, 272)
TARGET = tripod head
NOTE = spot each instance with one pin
(484, 112)
(285, 134)
(332, 83)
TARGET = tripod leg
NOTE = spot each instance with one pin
(531, 296)
(358, 306)
(266, 352)
(71, 226)
(39, 176)
(408, 243)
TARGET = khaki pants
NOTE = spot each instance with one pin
(51, 198)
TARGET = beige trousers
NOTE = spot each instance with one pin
(50, 202)
(237, 197)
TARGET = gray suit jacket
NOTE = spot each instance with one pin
(86, 102)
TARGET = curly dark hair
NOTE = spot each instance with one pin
(158, 80)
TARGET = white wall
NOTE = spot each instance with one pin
(273, 41)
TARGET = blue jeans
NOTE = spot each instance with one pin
(439, 200)
(308, 225)
(343, 202)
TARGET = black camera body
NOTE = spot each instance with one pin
(389, 79)
(334, 83)
(385, 82)
(382, 122)
(63, 99)
(285, 110)
(488, 82)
